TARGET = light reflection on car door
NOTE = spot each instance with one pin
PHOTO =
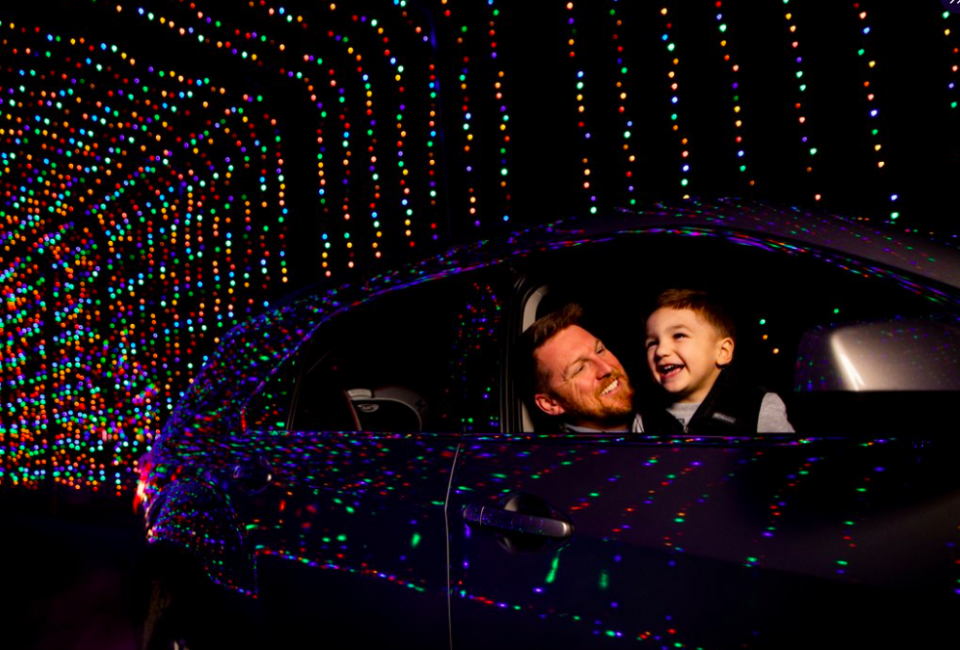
(350, 538)
(728, 544)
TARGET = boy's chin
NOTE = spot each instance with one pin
(673, 391)
(676, 394)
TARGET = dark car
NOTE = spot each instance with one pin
(361, 465)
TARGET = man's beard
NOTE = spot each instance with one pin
(595, 409)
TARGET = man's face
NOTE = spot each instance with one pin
(587, 384)
(685, 353)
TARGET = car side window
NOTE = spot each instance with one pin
(418, 358)
(835, 338)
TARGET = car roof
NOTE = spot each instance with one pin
(747, 222)
(880, 243)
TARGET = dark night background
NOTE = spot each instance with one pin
(170, 168)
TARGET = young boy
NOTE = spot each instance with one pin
(690, 341)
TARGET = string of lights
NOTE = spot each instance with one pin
(672, 74)
(622, 84)
(870, 93)
(734, 67)
(800, 106)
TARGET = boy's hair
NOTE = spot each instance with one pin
(702, 304)
(536, 336)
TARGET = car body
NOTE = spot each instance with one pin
(361, 462)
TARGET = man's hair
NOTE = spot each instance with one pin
(536, 336)
(703, 305)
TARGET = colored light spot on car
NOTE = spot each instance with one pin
(552, 575)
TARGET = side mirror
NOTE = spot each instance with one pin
(896, 355)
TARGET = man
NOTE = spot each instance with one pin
(576, 378)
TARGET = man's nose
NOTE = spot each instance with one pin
(603, 367)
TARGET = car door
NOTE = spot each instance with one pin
(845, 533)
(350, 532)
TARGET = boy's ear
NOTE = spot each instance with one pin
(547, 404)
(725, 351)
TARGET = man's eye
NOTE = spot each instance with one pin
(573, 372)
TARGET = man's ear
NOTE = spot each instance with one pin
(725, 351)
(547, 404)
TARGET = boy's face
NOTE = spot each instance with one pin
(685, 353)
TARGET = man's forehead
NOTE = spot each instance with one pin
(565, 347)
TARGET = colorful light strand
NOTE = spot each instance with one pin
(870, 93)
(739, 148)
(806, 145)
(674, 62)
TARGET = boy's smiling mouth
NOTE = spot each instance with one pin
(669, 370)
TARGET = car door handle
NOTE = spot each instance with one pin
(516, 522)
